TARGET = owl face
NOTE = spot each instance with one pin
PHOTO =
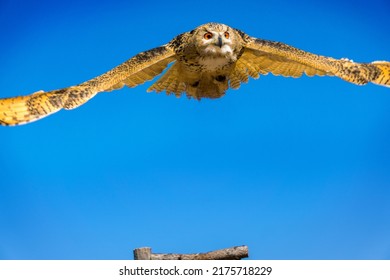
(214, 40)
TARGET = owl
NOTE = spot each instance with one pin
(204, 63)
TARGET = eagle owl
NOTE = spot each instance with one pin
(205, 62)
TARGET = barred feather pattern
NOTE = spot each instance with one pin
(200, 67)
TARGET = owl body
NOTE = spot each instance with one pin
(202, 63)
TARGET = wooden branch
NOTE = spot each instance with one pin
(233, 253)
(143, 253)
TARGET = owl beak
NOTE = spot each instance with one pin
(219, 43)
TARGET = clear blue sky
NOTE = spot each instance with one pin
(293, 168)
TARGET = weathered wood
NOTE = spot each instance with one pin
(233, 253)
(143, 253)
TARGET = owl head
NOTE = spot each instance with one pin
(214, 39)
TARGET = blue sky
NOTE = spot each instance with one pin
(293, 168)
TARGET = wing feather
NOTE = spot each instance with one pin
(146, 74)
(282, 59)
(137, 70)
(171, 82)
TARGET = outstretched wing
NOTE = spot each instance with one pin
(262, 57)
(137, 70)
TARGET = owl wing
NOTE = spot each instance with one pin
(135, 71)
(262, 57)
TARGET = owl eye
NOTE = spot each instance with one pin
(227, 35)
(208, 35)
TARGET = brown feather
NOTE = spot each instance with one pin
(201, 69)
(135, 71)
(282, 59)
